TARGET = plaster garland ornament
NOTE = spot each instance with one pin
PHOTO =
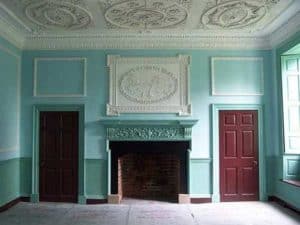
(146, 14)
(148, 133)
(236, 14)
(53, 14)
(156, 86)
(148, 85)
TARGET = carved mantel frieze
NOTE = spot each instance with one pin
(168, 130)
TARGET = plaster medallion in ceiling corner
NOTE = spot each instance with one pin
(235, 14)
(145, 14)
(53, 14)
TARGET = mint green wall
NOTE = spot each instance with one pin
(279, 164)
(10, 64)
(97, 96)
(9, 180)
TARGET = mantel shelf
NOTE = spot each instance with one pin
(148, 123)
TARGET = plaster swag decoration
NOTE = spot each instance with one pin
(145, 14)
(148, 85)
(235, 14)
(53, 14)
(148, 133)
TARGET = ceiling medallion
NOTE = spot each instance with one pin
(58, 14)
(235, 14)
(141, 14)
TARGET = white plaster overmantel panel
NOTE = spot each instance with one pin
(148, 85)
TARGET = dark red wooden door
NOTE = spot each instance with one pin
(239, 156)
(58, 156)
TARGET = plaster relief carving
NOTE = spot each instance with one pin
(58, 14)
(142, 14)
(236, 14)
(157, 84)
(146, 133)
(148, 85)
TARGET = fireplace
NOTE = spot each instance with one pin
(148, 159)
(155, 170)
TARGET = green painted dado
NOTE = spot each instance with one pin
(96, 181)
(199, 188)
(9, 180)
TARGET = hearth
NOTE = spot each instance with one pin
(154, 170)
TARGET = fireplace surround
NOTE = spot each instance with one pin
(148, 159)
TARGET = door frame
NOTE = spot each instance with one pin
(34, 197)
(215, 109)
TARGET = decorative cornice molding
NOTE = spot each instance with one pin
(22, 36)
(11, 35)
(291, 27)
(145, 41)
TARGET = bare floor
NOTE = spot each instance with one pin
(131, 212)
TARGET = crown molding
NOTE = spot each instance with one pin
(291, 27)
(144, 41)
(11, 35)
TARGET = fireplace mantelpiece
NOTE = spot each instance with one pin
(148, 129)
(145, 130)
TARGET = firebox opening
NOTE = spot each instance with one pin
(150, 170)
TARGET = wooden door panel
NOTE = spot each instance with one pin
(238, 155)
(247, 144)
(231, 184)
(230, 144)
(59, 156)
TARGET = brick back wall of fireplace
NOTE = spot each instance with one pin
(149, 175)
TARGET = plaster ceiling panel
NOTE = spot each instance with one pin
(145, 14)
(49, 15)
(242, 15)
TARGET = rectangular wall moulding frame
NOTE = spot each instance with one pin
(148, 85)
(241, 81)
(80, 84)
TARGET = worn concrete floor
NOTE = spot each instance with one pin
(149, 213)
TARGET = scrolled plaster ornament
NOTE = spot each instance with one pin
(53, 14)
(157, 86)
(233, 14)
(150, 14)
(236, 14)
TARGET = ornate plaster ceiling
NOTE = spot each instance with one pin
(89, 18)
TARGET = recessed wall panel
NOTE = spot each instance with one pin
(237, 76)
(59, 77)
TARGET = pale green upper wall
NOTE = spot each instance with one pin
(97, 92)
(10, 77)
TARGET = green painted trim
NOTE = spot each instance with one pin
(215, 147)
(96, 196)
(201, 160)
(35, 153)
(285, 159)
(82, 199)
(34, 198)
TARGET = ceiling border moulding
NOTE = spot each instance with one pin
(141, 41)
